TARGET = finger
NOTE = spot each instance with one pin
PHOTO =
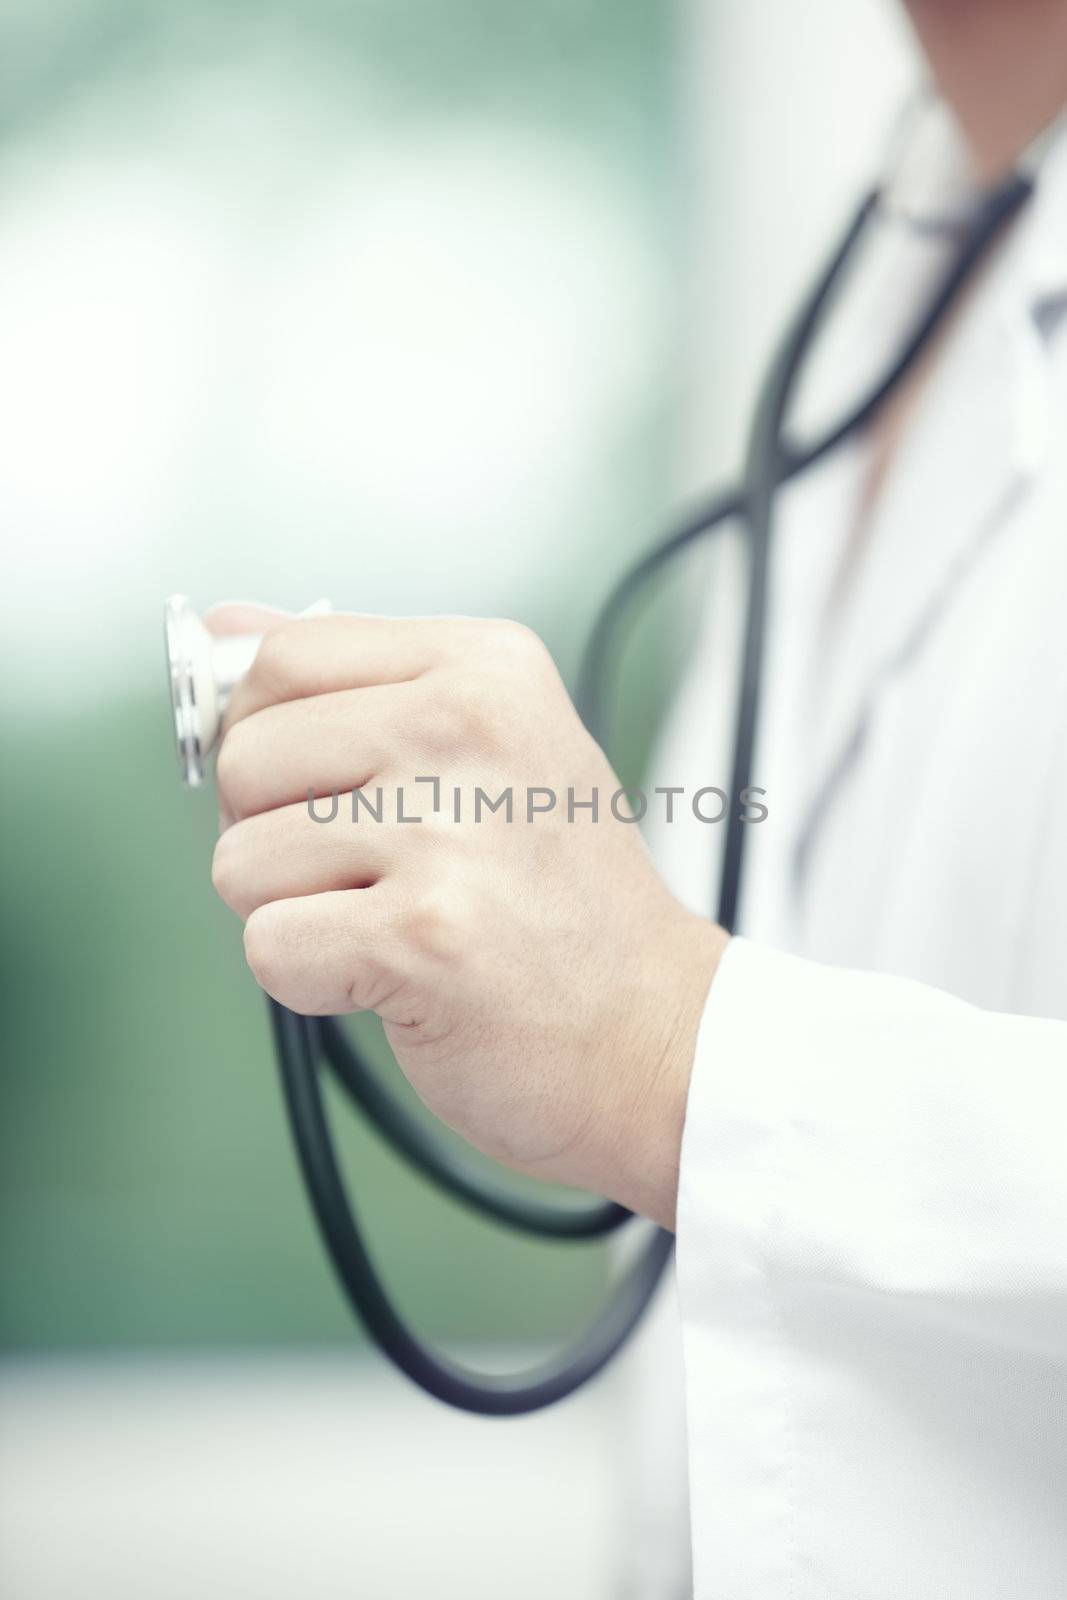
(285, 854)
(320, 655)
(330, 744)
(244, 616)
(328, 953)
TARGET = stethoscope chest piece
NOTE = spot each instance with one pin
(203, 671)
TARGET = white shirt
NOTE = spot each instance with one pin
(872, 1232)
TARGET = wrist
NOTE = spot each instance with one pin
(646, 1115)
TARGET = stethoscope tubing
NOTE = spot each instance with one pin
(446, 1165)
(301, 1042)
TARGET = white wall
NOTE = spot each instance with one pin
(247, 1477)
(787, 107)
(269, 332)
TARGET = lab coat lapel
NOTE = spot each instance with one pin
(974, 445)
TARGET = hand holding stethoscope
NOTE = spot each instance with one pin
(206, 673)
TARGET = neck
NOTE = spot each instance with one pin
(1002, 67)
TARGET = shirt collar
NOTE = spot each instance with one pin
(930, 187)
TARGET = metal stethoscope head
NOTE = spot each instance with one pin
(203, 668)
(203, 671)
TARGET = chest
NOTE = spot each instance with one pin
(916, 719)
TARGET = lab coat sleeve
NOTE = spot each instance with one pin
(872, 1261)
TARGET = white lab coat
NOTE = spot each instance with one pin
(872, 1229)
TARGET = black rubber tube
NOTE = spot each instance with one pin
(769, 461)
(488, 1394)
(444, 1163)
(732, 501)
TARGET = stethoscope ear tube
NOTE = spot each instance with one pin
(302, 1043)
(600, 658)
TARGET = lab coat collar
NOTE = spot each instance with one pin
(1043, 264)
(929, 184)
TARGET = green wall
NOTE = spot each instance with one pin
(149, 1196)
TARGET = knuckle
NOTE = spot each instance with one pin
(462, 712)
(432, 927)
(477, 703)
(231, 763)
(369, 985)
(226, 867)
(265, 944)
(517, 643)
(274, 668)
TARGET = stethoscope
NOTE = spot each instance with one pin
(203, 671)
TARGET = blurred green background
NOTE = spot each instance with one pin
(371, 300)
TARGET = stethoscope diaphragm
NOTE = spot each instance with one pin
(203, 670)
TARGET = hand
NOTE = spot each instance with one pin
(540, 987)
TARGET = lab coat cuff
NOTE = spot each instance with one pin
(787, 1088)
(730, 1199)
